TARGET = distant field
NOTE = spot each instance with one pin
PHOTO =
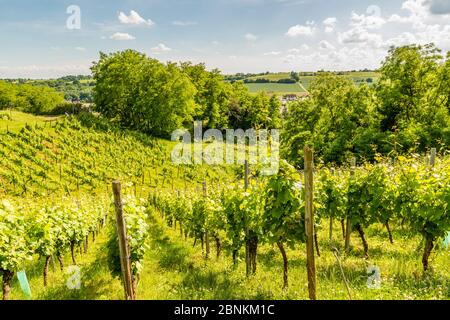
(273, 76)
(280, 88)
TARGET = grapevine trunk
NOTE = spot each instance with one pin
(7, 279)
(427, 252)
(285, 265)
(363, 239)
(391, 239)
(316, 242)
(47, 262)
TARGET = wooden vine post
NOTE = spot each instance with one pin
(125, 261)
(208, 249)
(309, 221)
(348, 229)
(247, 249)
(331, 218)
(429, 241)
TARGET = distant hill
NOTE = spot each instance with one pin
(269, 82)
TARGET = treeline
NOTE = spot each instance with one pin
(243, 76)
(293, 75)
(406, 111)
(76, 88)
(264, 80)
(29, 98)
(144, 94)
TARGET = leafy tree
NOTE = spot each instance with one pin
(238, 106)
(37, 99)
(212, 94)
(142, 93)
(329, 120)
(7, 93)
(29, 98)
(295, 76)
(275, 112)
(407, 75)
(413, 97)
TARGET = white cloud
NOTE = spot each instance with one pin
(399, 19)
(272, 53)
(403, 39)
(184, 23)
(303, 47)
(437, 34)
(373, 21)
(43, 71)
(301, 30)
(80, 49)
(339, 59)
(122, 36)
(294, 51)
(160, 48)
(326, 45)
(251, 37)
(361, 36)
(429, 23)
(290, 58)
(417, 10)
(215, 42)
(330, 24)
(134, 19)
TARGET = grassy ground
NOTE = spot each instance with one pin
(174, 269)
(97, 283)
(16, 120)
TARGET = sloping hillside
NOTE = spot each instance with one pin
(65, 156)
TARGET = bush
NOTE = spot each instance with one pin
(67, 107)
(28, 98)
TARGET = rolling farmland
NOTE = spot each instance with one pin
(357, 76)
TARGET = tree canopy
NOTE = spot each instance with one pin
(29, 98)
(142, 93)
(407, 110)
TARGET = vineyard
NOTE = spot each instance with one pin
(67, 157)
(410, 194)
(213, 232)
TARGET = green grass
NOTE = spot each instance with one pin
(96, 281)
(16, 120)
(175, 269)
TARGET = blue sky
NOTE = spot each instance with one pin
(232, 35)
